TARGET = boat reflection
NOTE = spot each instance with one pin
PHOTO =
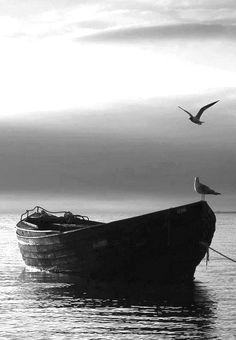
(58, 284)
(171, 309)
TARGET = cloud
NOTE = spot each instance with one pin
(42, 18)
(152, 33)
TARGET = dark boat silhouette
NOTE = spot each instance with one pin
(163, 246)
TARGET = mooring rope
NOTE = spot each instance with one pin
(216, 251)
(227, 257)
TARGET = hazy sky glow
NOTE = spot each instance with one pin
(89, 96)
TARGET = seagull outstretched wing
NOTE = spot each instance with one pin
(200, 112)
(185, 111)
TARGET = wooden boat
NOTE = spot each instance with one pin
(162, 246)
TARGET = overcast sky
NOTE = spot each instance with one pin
(89, 101)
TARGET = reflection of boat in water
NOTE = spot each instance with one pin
(163, 246)
(121, 309)
(53, 286)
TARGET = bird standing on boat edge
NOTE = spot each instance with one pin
(196, 119)
(203, 189)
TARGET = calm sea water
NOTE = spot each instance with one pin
(45, 306)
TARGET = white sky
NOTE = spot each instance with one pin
(49, 60)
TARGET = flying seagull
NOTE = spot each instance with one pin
(196, 119)
(203, 189)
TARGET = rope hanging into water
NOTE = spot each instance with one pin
(227, 257)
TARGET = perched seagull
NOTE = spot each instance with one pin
(203, 189)
(196, 119)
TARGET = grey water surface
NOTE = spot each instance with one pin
(54, 306)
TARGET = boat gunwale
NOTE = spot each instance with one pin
(38, 231)
(95, 225)
(57, 232)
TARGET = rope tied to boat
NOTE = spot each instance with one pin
(216, 251)
(207, 256)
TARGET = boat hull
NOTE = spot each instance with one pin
(164, 246)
